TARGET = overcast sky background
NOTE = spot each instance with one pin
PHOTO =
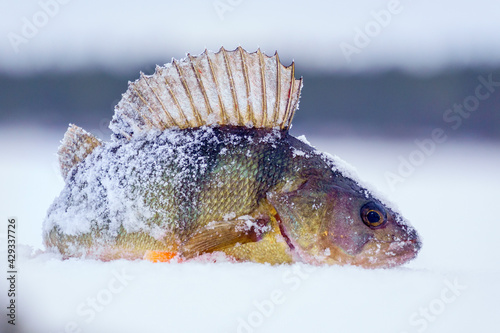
(422, 36)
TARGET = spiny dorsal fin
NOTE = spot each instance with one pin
(75, 146)
(234, 88)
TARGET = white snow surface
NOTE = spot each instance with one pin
(452, 286)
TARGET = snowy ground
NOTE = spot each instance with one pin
(451, 197)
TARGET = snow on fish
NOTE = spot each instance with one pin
(201, 162)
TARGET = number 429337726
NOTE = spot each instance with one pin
(11, 243)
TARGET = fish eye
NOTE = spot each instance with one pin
(373, 215)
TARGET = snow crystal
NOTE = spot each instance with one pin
(229, 216)
(304, 139)
(297, 152)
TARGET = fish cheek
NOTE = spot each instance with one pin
(323, 219)
(345, 233)
(343, 229)
(301, 215)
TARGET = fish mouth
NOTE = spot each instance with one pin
(388, 254)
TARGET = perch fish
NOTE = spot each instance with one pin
(201, 162)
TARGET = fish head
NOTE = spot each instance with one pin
(330, 219)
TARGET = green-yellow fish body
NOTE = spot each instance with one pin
(219, 173)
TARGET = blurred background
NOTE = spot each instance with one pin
(373, 70)
(385, 68)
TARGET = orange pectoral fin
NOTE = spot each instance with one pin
(160, 256)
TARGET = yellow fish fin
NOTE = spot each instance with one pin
(159, 256)
(76, 145)
(219, 235)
